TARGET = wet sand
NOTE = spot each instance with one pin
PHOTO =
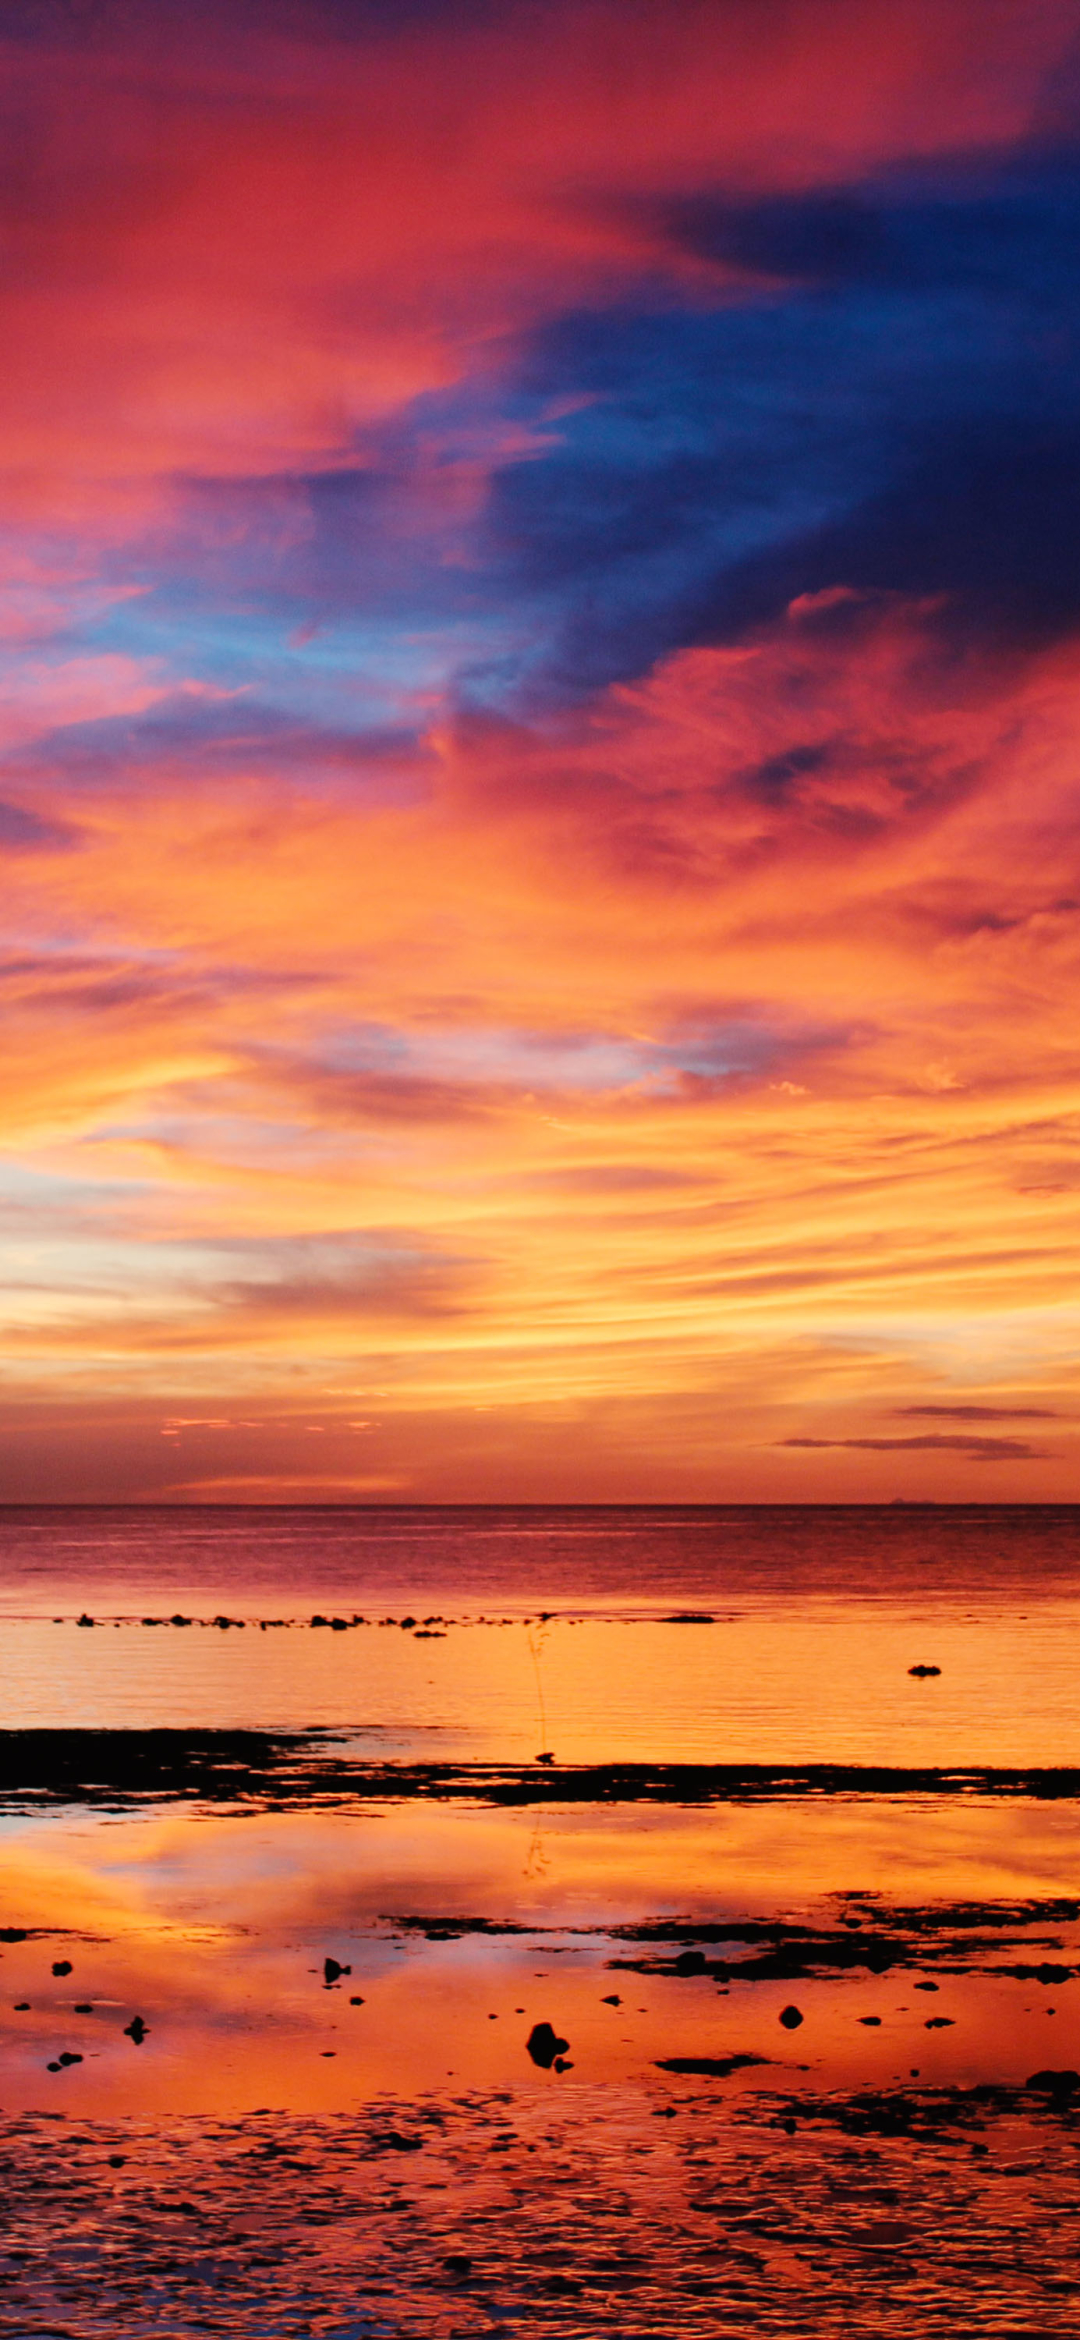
(623, 2211)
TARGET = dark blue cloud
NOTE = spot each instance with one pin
(890, 406)
(886, 401)
(22, 831)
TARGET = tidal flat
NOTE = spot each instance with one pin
(426, 1976)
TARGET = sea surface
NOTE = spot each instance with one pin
(574, 1921)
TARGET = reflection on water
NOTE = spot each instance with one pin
(457, 1930)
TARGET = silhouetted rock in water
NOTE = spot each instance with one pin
(545, 1756)
(689, 1617)
(612, 2000)
(14, 1934)
(457, 2264)
(790, 2017)
(332, 1972)
(61, 1966)
(117, 2160)
(69, 2056)
(544, 2045)
(392, 2141)
(562, 2064)
(356, 2002)
(428, 1633)
(227, 1624)
(23, 2007)
(320, 1621)
(923, 1673)
(872, 2022)
(53, 2067)
(84, 1620)
(407, 1624)
(709, 2067)
(83, 2007)
(939, 2023)
(135, 2030)
(691, 1962)
(926, 1986)
(1055, 2084)
(151, 1620)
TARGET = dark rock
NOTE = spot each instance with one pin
(927, 1986)
(1055, 2084)
(691, 1962)
(84, 1620)
(709, 2067)
(939, 2023)
(543, 2045)
(689, 1617)
(456, 2263)
(22, 2007)
(923, 1673)
(332, 1972)
(53, 2067)
(407, 1624)
(612, 2000)
(13, 1934)
(179, 1620)
(791, 2017)
(563, 2064)
(872, 2022)
(84, 2007)
(319, 1621)
(356, 2002)
(117, 2160)
(392, 2141)
(546, 1756)
(61, 1966)
(135, 2030)
(69, 2056)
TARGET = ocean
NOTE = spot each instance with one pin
(570, 1920)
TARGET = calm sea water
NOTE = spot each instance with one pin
(566, 1628)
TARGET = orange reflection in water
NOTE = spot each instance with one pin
(214, 1931)
(818, 1680)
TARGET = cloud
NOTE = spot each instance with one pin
(23, 831)
(986, 1413)
(978, 1449)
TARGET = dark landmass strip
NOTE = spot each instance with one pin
(269, 1768)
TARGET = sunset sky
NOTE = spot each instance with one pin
(540, 740)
